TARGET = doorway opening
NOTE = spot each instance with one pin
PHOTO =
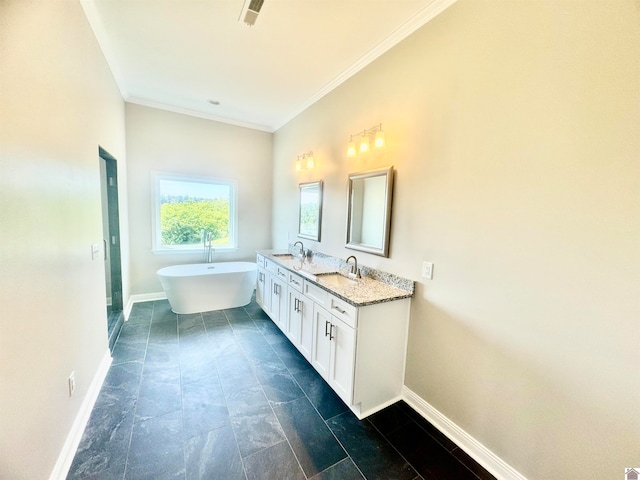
(111, 239)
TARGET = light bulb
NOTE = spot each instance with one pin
(364, 144)
(310, 161)
(351, 149)
(379, 141)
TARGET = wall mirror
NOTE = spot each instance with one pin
(369, 211)
(310, 210)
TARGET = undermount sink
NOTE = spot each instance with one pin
(283, 256)
(336, 279)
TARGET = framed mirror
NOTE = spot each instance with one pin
(310, 210)
(369, 211)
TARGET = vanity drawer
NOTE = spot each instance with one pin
(295, 281)
(261, 261)
(277, 270)
(344, 311)
(317, 294)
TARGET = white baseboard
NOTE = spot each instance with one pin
(61, 468)
(142, 297)
(481, 454)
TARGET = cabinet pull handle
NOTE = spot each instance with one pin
(295, 305)
(326, 328)
(331, 335)
(339, 310)
(300, 304)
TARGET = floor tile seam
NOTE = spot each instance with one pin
(406, 459)
(284, 433)
(464, 464)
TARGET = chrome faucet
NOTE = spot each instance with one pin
(209, 251)
(301, 247)
(354, 268)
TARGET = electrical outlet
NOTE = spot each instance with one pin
(427, 270)
(72, 383)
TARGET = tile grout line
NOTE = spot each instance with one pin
(135, 408)
(265, 396)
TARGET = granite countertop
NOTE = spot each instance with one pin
(374, 286)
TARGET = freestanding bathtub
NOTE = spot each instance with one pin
(202, 287)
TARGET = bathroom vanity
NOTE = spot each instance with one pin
(353, 331)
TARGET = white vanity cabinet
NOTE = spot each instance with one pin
(262, 287)
(360, 351)
(300, 309)
(333, 352)
(271, 290)
(277, 291)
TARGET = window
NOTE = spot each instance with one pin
(185, 208)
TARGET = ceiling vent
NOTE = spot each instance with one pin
(250, 15)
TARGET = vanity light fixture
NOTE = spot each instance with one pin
(305, 161)
(365, 142)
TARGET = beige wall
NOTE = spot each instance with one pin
(58, 102)
(158, 140)
(513, 127)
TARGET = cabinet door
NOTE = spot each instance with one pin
(295, 317)
(321, 344)
(343, 350)
(262, 289)
(278, 311)
(306, 326)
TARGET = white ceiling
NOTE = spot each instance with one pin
(178, 54)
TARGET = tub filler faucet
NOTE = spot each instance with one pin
(209, 251)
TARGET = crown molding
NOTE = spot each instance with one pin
(195, 113)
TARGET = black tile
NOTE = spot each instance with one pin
(427, 456)
(277, 382)
(311, 440)
(375, 457)
(320, 393)
(290, 355)
(254, 423)
(276, 462)
(159, 393)
(440, 437)
(120, 387)
(234, 314)
(157, 449)
(389, 419)
(162, 313)
(197, 364)
(472, 465)
(161, 357)
(213, 455)
(344, 470)
(164, 333)
(204, 407)
(102, 451)
(123, 352)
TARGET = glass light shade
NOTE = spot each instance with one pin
(310, 162)
(351, 149)
(364, 144)
(298, 165)
(379, 141)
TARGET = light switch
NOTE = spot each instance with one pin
(95, 251)
(427, 270)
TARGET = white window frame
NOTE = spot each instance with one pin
(156, 238)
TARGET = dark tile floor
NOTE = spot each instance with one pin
(223, 395)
